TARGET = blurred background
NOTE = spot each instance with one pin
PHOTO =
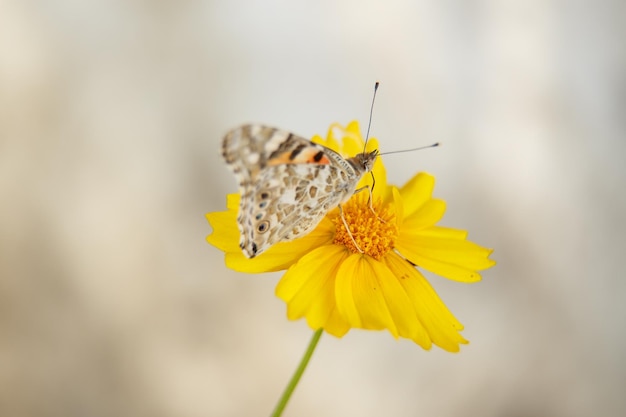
(111, 119)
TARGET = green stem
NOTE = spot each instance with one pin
(282, 403)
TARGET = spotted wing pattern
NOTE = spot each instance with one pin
(287, 183)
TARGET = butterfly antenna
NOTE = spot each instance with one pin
(434, 145)
(369, 123)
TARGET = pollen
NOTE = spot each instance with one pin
(373, 228)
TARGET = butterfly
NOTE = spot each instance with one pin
(287, 183)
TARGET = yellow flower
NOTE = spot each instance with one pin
(335, 287)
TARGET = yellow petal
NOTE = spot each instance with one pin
(444, 233)
(417, 191)
(437, 324)
(280, 256)
(369, 296)
(353, 129)
(333, 137)
(429, 213)
(232, 202)
(444, 252)
(308, 288)
(224, 236)
(397, 206)
(329, 142)
(284, 254)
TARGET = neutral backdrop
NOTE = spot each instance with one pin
(111, 119)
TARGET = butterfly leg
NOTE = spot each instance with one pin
(345, 224)
(370, 200)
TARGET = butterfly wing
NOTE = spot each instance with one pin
(288, 202)
(287, 184)
(284, 182)
(250, 148)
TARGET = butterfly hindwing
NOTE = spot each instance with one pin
(285, 202)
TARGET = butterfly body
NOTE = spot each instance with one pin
(287, 183)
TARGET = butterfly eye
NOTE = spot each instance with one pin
(264, 196)
(259, 216)
(263, 227)
(263, 204)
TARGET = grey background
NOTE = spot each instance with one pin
(111, 117)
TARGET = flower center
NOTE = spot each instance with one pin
(374, 232)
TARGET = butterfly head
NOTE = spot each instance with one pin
(365, 161)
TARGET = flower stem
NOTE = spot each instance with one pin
(282, 403)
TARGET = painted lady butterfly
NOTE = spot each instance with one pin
(287, 183)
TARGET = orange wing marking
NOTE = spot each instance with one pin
(301, 156)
